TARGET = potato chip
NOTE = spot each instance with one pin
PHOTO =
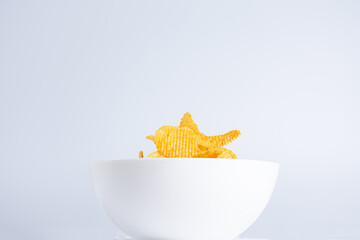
(219, 140)
(187, 121)
(209, 141)
(155, 155)
(176, 142)
(227, 154)
(151, 137)
(222, 140)
(141, 154)
(210, 153)
(187, 141)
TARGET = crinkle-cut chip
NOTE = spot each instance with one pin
(177, 142)
(224, 139)
(155, 155)
(227, 154)
(187, 121)
(219, 140)
(151, 137)
(141, 154)
(209, 141)
(210, 153)
(187, 141)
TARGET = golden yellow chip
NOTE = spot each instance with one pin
(141, 154)
(209, 141)
(155, 155)
(151, 137)
(210, 153)
(222, 140)
(176, 142)
(187, 141)
(187, 121)
(219, 140)
(227, 154)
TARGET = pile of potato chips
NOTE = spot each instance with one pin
(186, 141)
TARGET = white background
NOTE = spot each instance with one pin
(87, 80)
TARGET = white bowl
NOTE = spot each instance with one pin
(183, 198)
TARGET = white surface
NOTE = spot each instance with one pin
(87, 80)
(238, 238)
(187, 199)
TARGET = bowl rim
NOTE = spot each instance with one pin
(185, 159)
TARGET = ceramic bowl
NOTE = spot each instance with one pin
(183, 198)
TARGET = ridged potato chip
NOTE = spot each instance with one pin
(176, 142)
(187, 141)
(141, 154)
(151, 137)
(216, 153)
(227, 154)
(222, 140)
(155, 155)
(209, 141)
(210, 153)
(187, 121)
